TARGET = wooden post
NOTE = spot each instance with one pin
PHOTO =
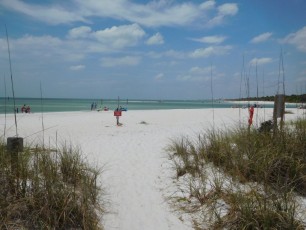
(279, 111)
(14, 147)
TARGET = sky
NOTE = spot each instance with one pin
(159, 49)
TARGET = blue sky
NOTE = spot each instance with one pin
(162, 49)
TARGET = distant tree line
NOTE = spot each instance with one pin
(288, 98)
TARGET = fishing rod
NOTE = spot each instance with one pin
(12, 82)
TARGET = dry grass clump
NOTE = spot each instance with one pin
(255, 210)
(242, 179)
(49, 190)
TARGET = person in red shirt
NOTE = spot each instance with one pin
(251, 113)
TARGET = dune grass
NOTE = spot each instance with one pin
(242, 179)
(50, 190)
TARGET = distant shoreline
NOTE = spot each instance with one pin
(262, 102)
(288, 98)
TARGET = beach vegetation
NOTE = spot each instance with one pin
(242, 178)
(293, 98)
(49, 189)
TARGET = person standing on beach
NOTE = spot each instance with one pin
(28, 109)
(23, 108)
(251, 113)
(117, 117)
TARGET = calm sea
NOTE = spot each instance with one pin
(64, 105)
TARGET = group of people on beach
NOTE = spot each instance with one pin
(25, 109)
(94, 107)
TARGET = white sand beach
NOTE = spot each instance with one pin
(133, 156)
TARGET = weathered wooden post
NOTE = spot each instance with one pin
(14, 147)
(278, 111)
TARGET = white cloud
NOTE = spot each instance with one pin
(77, 67)
(50, 48)
(42, 53)
(122, 61)
(301, 80)
(261, 38)
(159, 76)
(174, 54)
(37, 41)
(184, 77)
(116, 37)
(156, 39)
(120, 36)
(202, 70)
(170, 15)
(211, 39)
(208, 5)
(51, 14)
(260, 61)
(227, 9)
(209, 51)
(193, 78)
(152, 14)
(215, 21)
(38, 46)
(198, 74)
(169, 54)
(297, 39)
(79, 32)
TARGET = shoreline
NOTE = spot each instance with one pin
(264, 102)
(244, 105)
(76, 105)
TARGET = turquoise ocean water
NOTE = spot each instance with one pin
(65, 105)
